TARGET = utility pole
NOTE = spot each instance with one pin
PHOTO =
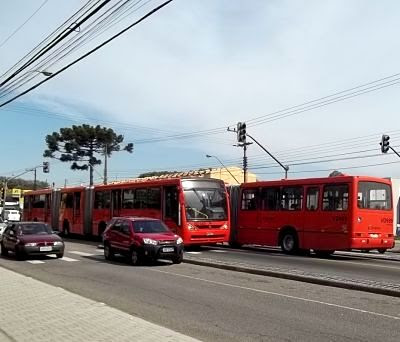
(34, 179)
(105, 165)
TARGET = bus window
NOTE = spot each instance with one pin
(154, 198)
(292, 198)
(249, 199)
(270, 198)
(38, 201)
(140, 201)
(27, 200)
(336, 197)
(312, 199)
(373, 195)
(102, 200)
(127, 198)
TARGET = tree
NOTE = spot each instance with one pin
(24, 184)
(82, 144)
(335, 174)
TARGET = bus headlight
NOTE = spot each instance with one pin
(179, 240)
(191, 227)
(225, 226)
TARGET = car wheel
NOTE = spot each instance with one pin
(19, 255)
(4, 251)
(323, 254)
(60, 255)
(178, 259)
(382, 250)
(108, 252)
(289, 242)
(133, 257)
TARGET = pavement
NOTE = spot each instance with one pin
(34, 311)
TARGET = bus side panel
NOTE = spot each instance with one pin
(98, 216)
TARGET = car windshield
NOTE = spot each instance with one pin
(149, 227)
(205, 204)
(31, 229)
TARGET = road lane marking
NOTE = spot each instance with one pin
(35, 262)
(68, 259)
(82, 253)
(279, 295)
(217, 251)
(193, 252)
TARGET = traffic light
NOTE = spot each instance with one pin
(385, 143)
(241, 132)
(46, 167)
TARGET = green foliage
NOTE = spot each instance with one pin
(24, 184)
(155, 173)
(81, 145)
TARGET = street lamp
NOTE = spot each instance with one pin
(210, 156)
(43, 72)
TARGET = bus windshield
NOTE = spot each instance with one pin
(205, 204)
(374, 195)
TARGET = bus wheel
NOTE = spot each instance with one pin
(382, 250)
(235, 244)
(289, 242)
(65, 228)
(323, 254)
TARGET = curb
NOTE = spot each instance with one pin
(296, 277)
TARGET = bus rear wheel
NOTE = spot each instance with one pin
(382, 250)
(289, 242)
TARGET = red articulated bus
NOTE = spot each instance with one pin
(197, 209)
(322, 214)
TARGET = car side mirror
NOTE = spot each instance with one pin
(56, 232)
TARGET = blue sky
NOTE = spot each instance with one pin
(198, 65)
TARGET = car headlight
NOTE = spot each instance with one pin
(179, 241)
(31, 244)
(148, 241)
(58, 243)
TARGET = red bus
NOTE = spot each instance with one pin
(322, 214)
(196, 209)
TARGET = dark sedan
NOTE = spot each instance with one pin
(31, 238)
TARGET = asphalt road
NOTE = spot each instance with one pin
(359, 266)
(218, 305)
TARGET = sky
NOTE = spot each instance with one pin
(200, 65)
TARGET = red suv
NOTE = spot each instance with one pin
(141, 238)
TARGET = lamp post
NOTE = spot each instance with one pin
(210, 156)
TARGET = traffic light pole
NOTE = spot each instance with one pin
(394, 151)
(285, 167)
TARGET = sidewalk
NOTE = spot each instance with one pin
(396, 248)
(35, 311)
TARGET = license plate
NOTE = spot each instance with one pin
(168, 249)
(45, 249)
(373, 235)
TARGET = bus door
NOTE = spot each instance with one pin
(270, 223)
(248, 228)
(115, 202)
(313, 218)
(336, 217)
(171, 213)
(76, 217)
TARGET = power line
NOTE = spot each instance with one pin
(23, 24)
(56, 40)
(88, 53)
